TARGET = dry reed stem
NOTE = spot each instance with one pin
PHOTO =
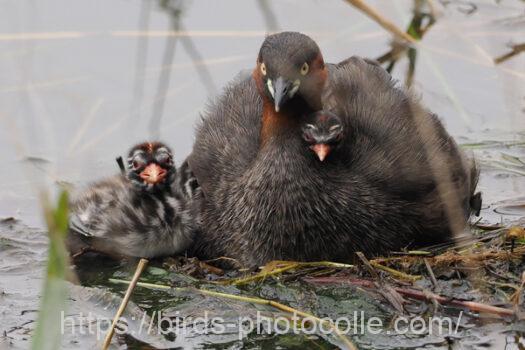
(471, 305)
(396, 273)
(277, 267)
(140, 267)
(382, 21)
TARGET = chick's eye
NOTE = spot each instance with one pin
(305, 68)
(308, 137)
(164, 158)
(263, 68)
(310, 127)
(137, 163)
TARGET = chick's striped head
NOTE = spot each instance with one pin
(151, 166)
(323, 132)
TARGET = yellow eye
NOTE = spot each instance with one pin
(263, 68)
(305, 68)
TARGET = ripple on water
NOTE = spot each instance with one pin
(515, 207)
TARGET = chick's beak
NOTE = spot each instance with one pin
(282, 88)
(153, 174)
(321, 150)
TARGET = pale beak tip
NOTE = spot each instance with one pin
(322, 151)
(277, 108)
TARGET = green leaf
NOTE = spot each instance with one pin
(55, 292)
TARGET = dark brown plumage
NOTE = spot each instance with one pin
(267, 196)
(143, 213)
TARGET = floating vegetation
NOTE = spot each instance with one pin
(502, 155)
(479, 279)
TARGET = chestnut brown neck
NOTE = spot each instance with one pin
(275, 124)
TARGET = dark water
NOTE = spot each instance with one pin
(82, 81)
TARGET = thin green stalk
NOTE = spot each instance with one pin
(47, 334)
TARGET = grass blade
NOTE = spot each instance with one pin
(48, 329)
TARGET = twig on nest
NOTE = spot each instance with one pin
(471, 305)
(277, 267)
(393, 272)
(386, 290)
(368, 266)
(431, 274)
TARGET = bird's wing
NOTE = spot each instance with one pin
(358, 80)
(187, 182)
(78, 227)
(356, 59)
(227, 137)
(390, 137)
(89, 207)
